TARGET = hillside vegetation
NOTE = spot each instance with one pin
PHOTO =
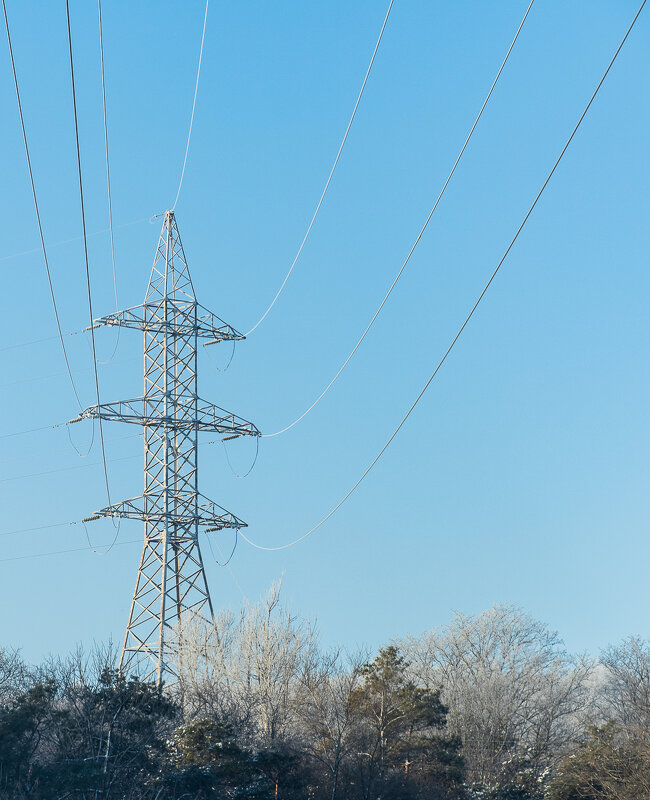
(488, 708)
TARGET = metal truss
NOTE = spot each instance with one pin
(171, 587)
(145, 411)
(143, 318)
(189, 512)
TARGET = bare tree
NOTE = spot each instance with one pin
(205, 687)
(13, 674)
(275, 648)
(626, 689)
(247, 669)
(104, 728)
(325, 716)
(514, 696)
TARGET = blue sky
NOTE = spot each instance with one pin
(522, 476)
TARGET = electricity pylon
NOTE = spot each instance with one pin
(171, 587)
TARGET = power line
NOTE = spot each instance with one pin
(38, 528)
(35, 378)
(196, 89)
(39, 453)
(65, 469)
(227, 565)
(71, 550)
(33, 430)
(108, 170)
(46, 428)
(214, 362)
(61, 525)
(67, 423)
(227, 561)
(37, 341)
(250, 469)
(38, 215)
(97, 463)
(415, 244)
(83, 224)
(471, 313)
(74, 446)
(49, 376)
(110, 546)
(329, 178)
(70, 241)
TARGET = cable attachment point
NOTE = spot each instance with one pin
(72, 421)
(91, 518)
(228, 438)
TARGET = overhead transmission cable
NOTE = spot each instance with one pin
(38, 528)
(252, 466)
(89, 546)
(469, 315)
(110, 546)
(71, 550)
(64, 469)
(108, 172)
(196, 89)
(50, 452)
(51, 375)
(76, 239)
(33, 430)
(65, 424)
(37, 341)
(225, 561)
(329, 177)
(38, 215)
(85, 240)
(415, 244)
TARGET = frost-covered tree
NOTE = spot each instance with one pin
(515, 697)
(14, 675)
(324, 726)
(626, 688)
(247, 669)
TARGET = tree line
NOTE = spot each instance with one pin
(489, 707)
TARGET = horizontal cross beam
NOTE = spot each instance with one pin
(144, 508)
(172, 316)
(177, 413)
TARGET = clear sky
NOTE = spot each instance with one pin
(522, 476)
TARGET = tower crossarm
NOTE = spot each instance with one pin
(196, 510)
(213, 418)
(178, 413)
(179, 317)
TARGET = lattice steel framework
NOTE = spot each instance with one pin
(171, 586)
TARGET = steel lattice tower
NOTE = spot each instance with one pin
(171, 586)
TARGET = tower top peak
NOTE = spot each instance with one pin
(170, 274)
